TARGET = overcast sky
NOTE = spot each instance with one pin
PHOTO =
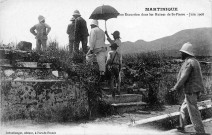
(18, 16)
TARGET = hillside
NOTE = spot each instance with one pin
(201, 38)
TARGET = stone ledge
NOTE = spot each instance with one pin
(129, 104)
(164, 121)
(31, 80)
(124, 98)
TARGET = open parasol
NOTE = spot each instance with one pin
(104, 12)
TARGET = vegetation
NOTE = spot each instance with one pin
(153, 71)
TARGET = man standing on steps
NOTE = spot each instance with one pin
(42, 30)
(116, 37)
(80, 33)
(98, 47)
(190, 79)
(113, 64)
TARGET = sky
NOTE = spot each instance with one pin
(18, 16)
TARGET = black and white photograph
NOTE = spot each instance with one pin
(106, 67)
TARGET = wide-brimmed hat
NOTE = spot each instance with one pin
(114, 45)
(187, 48)
(41, 18)
(94, 22)
(116, 33)
(76, 12)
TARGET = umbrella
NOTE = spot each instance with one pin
(104, 12)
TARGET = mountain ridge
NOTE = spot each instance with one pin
(201, 38)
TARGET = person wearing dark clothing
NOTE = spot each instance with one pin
(70, 32)
(80, 33)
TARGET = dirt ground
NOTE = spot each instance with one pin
(117, 121)
(111, 125)
(138, 115)
(29, 128)
(190, 129)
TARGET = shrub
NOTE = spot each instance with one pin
(157, 73)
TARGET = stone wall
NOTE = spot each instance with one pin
(43, 100)
(168, 80)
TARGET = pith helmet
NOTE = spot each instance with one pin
(76, 12)
(95, 22)
(187, 48)
(116, 33)
(40, 18)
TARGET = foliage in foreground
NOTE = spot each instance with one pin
(152, 71)
(157, 73)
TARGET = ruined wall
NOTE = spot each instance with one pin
(168, 81)
(42, 100)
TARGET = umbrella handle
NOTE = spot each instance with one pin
(105, 26)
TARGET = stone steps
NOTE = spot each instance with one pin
(123, 98)
(127, 107)
(125, 103)
(5, 62)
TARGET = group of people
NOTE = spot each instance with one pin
(78, 32)
(189, 77)
(111, 61)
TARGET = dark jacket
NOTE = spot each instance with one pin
(70, 31)
(81, 29)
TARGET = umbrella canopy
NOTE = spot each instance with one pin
(104, 12)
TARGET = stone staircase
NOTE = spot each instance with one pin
(124, 102)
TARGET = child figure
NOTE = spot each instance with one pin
(116, 39)
(113, 65)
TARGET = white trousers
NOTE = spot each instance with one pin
(189, 106)
(101, 60)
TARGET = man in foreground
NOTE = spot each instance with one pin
(190, 79)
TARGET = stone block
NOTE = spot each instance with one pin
(24, 46)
